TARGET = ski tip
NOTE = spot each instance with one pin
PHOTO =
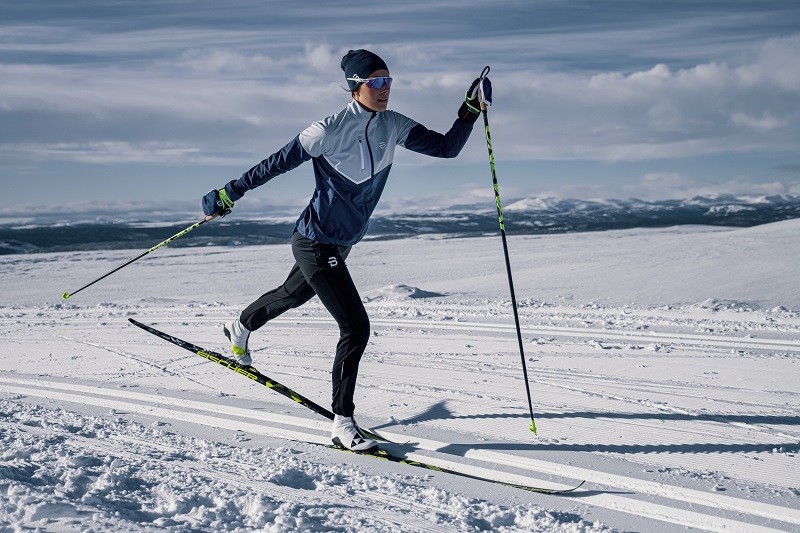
(533, 427)
(66, 296)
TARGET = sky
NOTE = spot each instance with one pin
(152, 103)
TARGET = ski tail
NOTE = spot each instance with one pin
(388, 456)
(247, 371)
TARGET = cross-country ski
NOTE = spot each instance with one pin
(379, 453)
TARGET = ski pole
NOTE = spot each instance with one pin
(67, 295)
(484, 108)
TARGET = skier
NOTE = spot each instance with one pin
(351, 153)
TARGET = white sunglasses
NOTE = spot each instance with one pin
(373, 83)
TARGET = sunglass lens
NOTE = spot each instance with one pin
(378, 83)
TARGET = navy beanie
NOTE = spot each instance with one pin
(360, 63)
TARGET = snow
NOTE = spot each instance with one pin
(662, 366)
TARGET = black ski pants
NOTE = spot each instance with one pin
(320, 270)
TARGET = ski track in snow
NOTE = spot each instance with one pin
(677, 416)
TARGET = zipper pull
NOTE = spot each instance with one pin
(361, 151)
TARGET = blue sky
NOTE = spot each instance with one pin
(154, 103)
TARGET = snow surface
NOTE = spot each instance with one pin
(662, 364)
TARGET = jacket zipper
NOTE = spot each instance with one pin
(371, 160)
(361, 151)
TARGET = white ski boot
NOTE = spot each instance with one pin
(345, 434)
(238, 335)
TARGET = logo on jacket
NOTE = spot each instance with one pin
(382, 145)
(332, 262)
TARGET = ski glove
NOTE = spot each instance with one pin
(479, 92)
(220, 201)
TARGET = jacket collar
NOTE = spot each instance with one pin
(359, 112)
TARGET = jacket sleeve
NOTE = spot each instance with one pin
(287, 158)
(424, 141)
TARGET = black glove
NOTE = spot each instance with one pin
(479, 92)
(219, 201)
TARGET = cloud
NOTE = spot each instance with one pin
(217, 62)
(464, 196)
(320, 56)
(765, 122)
(224, 87)
(234, 82)
(110, 152)
(658, 112)
(661, 186)
(789, 168)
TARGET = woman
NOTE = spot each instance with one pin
(351, 153)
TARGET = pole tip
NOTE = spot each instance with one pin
(66, 295)
(533, 426)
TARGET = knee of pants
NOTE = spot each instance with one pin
(357, 332)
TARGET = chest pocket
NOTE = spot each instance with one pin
(351, 159)
(363, 151)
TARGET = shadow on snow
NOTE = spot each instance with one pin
(440, 411)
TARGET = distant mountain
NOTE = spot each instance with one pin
(104, 229)
(556, 215)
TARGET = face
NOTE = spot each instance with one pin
(373, 99)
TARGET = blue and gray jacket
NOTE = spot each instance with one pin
(352, 153)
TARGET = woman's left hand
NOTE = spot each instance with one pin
(479, 92)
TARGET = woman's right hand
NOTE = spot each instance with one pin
(217, 202)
